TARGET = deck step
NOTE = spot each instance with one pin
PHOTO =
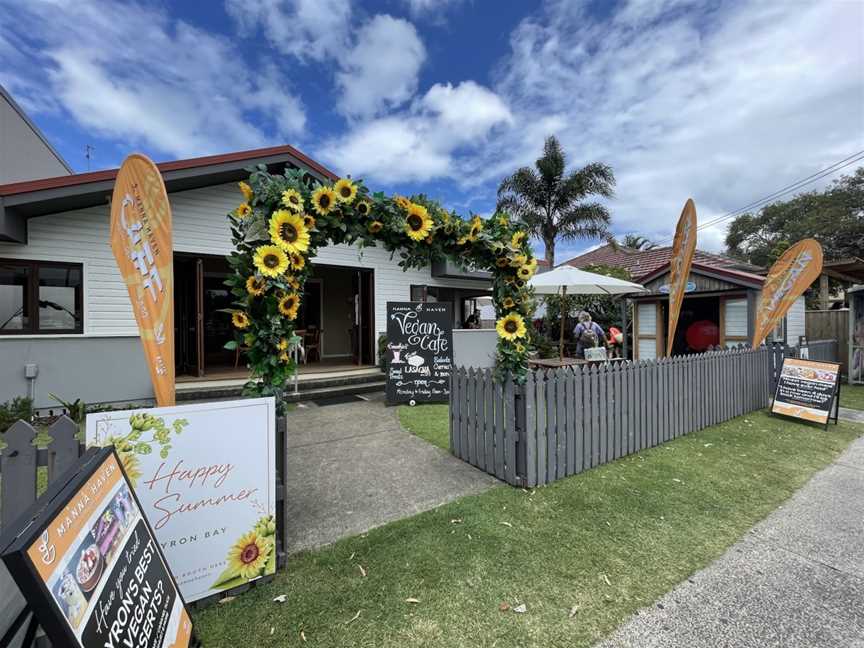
(307, 389)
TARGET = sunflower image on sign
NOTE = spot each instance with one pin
(139, 442)
(253, 555)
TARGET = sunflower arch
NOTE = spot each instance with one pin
(283, 221)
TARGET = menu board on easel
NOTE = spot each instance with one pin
(420, 349)
(89, 565)
(807, 389)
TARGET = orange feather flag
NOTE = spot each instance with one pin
(141, 240)
(683, 250)
(787, 280)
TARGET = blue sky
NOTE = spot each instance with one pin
(720, 101)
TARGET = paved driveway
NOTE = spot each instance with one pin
(351, 467)
(795, 581)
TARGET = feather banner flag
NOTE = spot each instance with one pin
(683, 250)
(141, 239)
(787, 280)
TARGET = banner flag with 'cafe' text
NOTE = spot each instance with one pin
(787, 280)
(141, 240)
(683, 250)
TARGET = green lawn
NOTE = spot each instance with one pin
(581, 554)
(852, 396)
(429, 422)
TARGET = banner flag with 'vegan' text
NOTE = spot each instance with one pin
(141, 240)
(787, 280)
(683, 250)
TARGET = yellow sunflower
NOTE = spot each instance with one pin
(309, 221)
(270, 260)
(511, 326)
(292, 281)
(240, 319)
(289, 232)
(476, 226)
(364, 208)
(255, 286)
(324, 200)
(283, 344)
(526, 271)
(517, 238)
(518, 260)
(243, 210)
(376, 226)
(289, 305)
(246, 190)
(418, 224)
(248, 556)
(292, 200)
(296, 261)
(284, 356)
(345, 191)
(520, 348)
(508, 303)
(502, 262)
(402, 202)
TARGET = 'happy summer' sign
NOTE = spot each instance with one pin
(420, 348)
(205, 476)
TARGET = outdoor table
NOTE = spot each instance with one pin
(554, 363)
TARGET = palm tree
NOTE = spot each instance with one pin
(636, 242)
(551, 203)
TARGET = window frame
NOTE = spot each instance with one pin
(32, 295)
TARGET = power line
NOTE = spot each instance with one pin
(798, 184)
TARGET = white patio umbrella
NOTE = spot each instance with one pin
(566, 279)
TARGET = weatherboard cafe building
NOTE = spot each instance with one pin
(66, 323)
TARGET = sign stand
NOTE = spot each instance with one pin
(88, 564)
(420, 350)
(808, 390)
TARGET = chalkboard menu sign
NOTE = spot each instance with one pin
(420, 351)
(89, 565)
(807, 390)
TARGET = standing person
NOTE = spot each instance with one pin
(614, 342)
(587, 333)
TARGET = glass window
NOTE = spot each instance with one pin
(14, 302)
(40, 297)
(59, 287)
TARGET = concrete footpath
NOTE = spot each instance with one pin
(352, 467)
(795, 580)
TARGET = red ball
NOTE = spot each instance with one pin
(702, 334)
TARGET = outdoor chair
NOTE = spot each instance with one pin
(312, 343)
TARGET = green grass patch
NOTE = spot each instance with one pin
(429, 422)
(605, 542)
(852, 396)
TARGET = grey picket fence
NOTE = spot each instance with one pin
(563, 421)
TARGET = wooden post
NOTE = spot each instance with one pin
(561, 339)
(824, 294)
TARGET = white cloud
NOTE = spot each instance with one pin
(724, 105)
(435, 8)
(172, 87)
(305, 29)
(380, 70)
(430, 139)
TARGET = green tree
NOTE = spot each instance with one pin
(636, 242)
(833, 216)
(552, 203)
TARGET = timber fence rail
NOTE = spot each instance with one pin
(563, 421)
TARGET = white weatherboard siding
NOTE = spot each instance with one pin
(795, 322)
(200, 226)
